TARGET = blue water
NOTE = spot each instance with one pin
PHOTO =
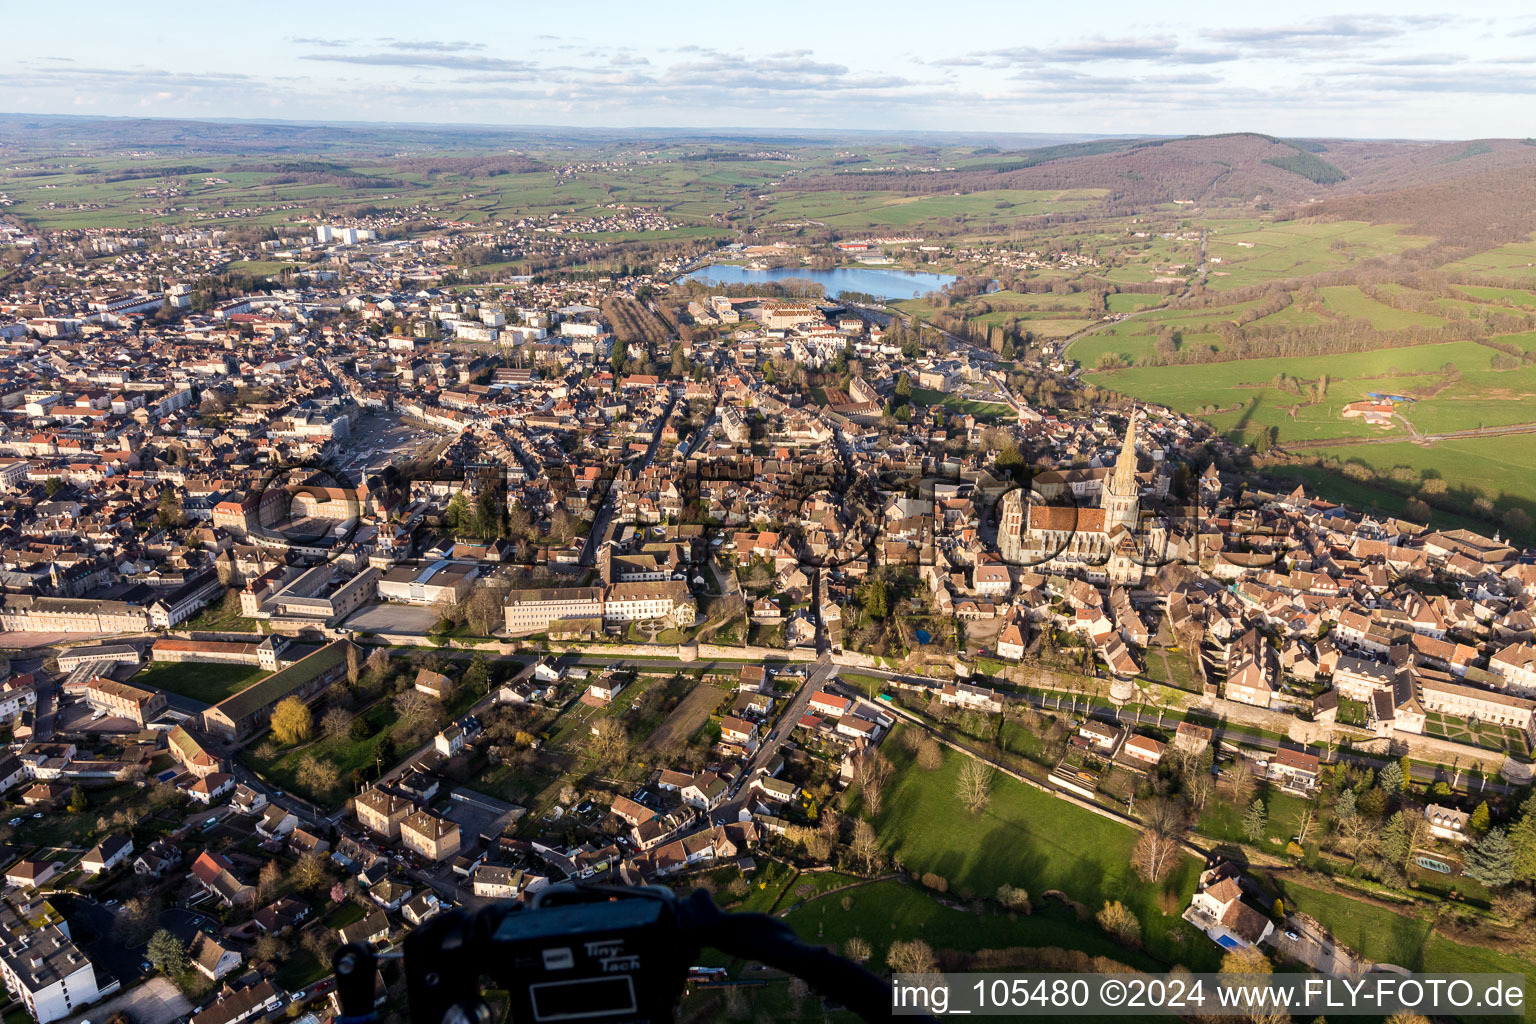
(881, 281)
(923, 636)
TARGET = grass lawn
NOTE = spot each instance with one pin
(207, 683)
(1170, 668)
(769, 885)
(343, 915)
(217, 619)
(1353, 712)
(299, 968)
(884, 912)
(346, 754)
(981, 410)
(1223, 819)
(1031, 839)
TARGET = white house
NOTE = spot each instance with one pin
(705, 792)
(211, 959)
(209, 789)
(1448, 823)
(107, 854)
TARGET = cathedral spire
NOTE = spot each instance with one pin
(1124, 479)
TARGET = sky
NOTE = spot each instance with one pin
(1301, 68)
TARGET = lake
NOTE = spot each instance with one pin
(882, 281)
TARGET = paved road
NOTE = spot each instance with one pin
(1233, 734)
(820, 674)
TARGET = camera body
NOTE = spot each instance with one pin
(593, 954)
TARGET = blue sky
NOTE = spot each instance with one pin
(1418, 70)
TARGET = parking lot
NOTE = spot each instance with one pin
(378, 440)
(476, 819)
(79, 717)
(409, 619)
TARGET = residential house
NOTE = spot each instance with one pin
(211, 960)
(428, 836)
(107, 854)
(251, 1003)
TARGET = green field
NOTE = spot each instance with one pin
(1031, 839)
(1285, 250)
(1242, 388)
(1494, 465)
(345, 753)
(1350, 302)
(884, 912)
(207, 683)
(982, 410)
(1515, 260)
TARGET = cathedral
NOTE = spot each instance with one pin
(1101, 544)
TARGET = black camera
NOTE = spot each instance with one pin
(598, 954)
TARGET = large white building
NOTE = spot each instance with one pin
(42, 965)
(531, 611)
(634, 602)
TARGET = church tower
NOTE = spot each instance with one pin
(1122, 495)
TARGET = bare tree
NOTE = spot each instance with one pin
(873, 795)
(1306, 818)
(483, 610)
(974, 785)
(270, 879)
(929, 756)
(1154, 855)
(872, 771)
(1242, 780)
(911, 956)
(336, 723)
(866, 845)
(610, 744)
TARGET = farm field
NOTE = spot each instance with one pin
(1283, 250)
(1493, 466)
(687, 717)
(207, 683)
(1241, 395)
(1515, 260)
(1502, 296)
(857, 209)
(1350, 302)
(1028, 838)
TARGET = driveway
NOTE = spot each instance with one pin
(1317, 949)
(186, 922)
